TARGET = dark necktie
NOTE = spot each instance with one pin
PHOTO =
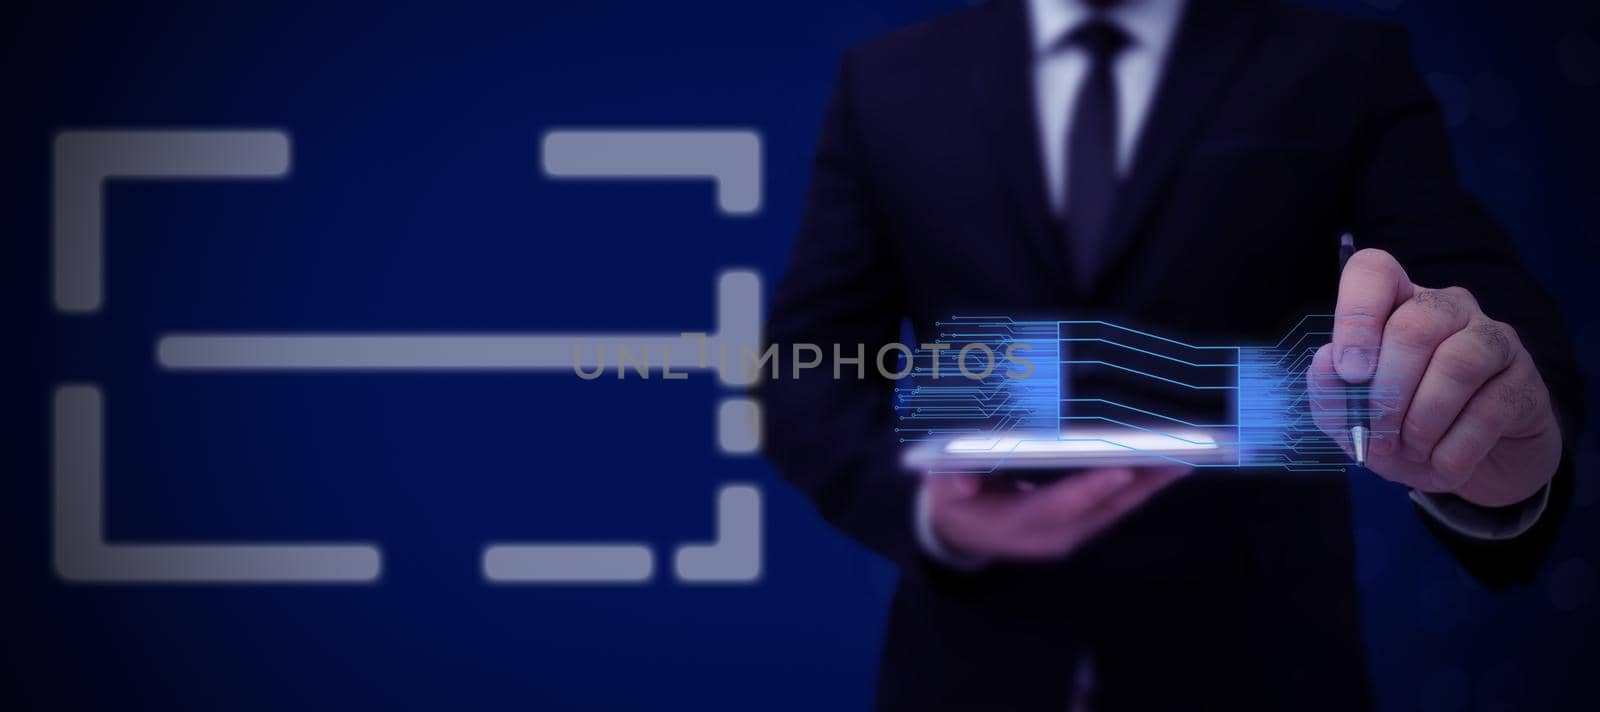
(1092, 150)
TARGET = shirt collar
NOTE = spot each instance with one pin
(1150, 24)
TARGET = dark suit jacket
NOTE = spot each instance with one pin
(1274, 128)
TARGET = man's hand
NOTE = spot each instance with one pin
(997, 518)
(1457, 403)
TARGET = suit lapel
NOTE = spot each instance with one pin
(1213, 38)
(1002, 77)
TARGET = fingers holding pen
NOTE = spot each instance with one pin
(1370, 288)
(1413, 332)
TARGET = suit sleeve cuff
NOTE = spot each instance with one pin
(1483, 523)
(929, 541)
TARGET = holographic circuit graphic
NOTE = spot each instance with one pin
(1000, 392)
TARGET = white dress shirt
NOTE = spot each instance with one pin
(1059, 71)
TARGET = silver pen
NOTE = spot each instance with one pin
(1358, 394)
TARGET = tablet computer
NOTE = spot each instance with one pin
(1072, 449)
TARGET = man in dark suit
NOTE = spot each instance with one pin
(1185, 167)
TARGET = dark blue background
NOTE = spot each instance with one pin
(416, 204)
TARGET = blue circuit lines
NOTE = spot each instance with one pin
(1001, 382)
